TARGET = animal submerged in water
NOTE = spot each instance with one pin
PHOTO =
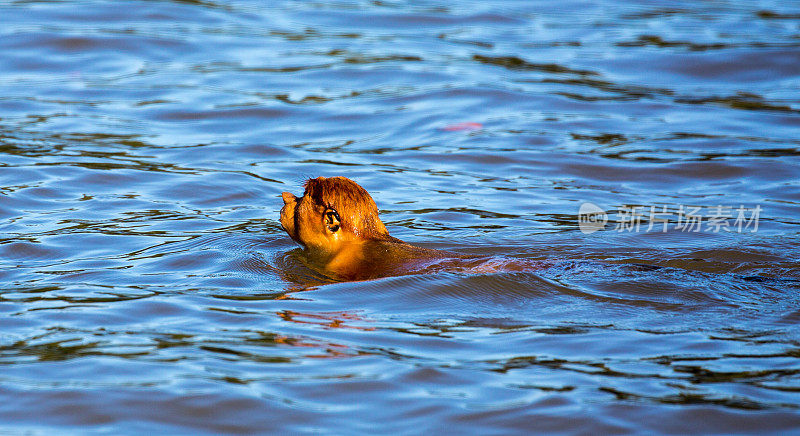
(336, 221)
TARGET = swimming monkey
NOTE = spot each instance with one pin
(336, 221)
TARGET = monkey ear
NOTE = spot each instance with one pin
(331, 220)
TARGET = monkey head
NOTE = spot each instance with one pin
(332, 212)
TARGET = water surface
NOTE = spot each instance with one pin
(147, 285)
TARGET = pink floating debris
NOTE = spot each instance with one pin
(462, 127)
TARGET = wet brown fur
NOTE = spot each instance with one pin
(357, 209)
(336, 221)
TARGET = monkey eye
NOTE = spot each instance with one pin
(332, 220)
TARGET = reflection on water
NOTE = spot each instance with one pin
(147, 285)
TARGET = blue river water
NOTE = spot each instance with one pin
(147, 286)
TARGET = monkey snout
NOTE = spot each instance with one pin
(288, 197)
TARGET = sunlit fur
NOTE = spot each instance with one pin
(357, 245)
(355, 206)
